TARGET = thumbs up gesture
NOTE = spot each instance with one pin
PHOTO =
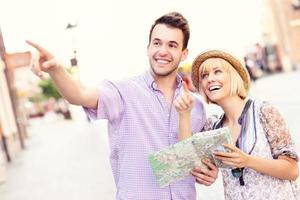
(185, 101)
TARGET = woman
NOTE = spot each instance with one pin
(263, 161)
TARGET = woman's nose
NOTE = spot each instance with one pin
(211, 77)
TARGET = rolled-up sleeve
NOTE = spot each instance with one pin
(277, 132)
(110, 104)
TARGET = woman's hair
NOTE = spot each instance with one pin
(236, 82)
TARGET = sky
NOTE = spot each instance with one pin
(112, 36)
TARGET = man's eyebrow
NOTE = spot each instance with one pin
(174, 42)
(156, 39)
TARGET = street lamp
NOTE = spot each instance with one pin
(71, 26)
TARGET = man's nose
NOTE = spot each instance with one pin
(163, 50)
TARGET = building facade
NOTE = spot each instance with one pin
(282, 26)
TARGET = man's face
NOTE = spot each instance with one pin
(165, 50)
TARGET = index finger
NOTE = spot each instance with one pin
(230, 147)
(185, 87)
(210, 165)
(38, 47)
(223, 154)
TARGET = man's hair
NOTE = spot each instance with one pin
(174, 20)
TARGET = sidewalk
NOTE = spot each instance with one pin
(69, 160)
(64, 160)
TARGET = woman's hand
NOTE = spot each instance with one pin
(236, 158)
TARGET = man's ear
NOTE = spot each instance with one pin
(185, 53)
(148, 50)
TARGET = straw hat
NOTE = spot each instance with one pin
(238, 66)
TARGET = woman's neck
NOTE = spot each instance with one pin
(233, 108)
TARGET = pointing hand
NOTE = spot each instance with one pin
(185, 101)
(44, 61)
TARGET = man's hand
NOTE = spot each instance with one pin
(185, 101)
(206, 176)
(44, 61)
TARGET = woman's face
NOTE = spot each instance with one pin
(214, 80)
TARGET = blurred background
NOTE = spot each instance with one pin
(49, 149)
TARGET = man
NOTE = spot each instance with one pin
(140, 112)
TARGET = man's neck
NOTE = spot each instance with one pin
(167, 85)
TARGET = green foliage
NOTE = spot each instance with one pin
(48, 89)
(37, 98)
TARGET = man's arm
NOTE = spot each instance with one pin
(184, 104)
(68, 87)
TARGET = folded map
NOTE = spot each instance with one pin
(176, 161)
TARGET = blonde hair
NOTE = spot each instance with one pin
(237, 86)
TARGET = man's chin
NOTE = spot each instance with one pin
(163, 72)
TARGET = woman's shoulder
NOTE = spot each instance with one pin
(266, 109)
(211, 122)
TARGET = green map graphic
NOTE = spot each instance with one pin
(176, 161)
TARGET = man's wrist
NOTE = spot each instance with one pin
(185, 112)
(57, 69)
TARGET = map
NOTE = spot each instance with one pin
(176, 161)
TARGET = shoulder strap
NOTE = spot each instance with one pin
(219, 122)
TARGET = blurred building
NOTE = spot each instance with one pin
(12, 117)
(281, 24)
